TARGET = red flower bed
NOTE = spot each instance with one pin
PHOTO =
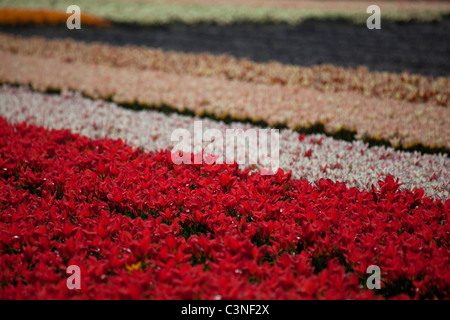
(140, 227)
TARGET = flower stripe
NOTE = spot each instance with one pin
(192, 12)
(326, 78)
(18, 16)
(139, 226)
(310, 157)
(398, 122)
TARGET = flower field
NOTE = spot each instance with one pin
(87, 176)
(400, 123)
(310, 157)
(165, 230)
(157, 12)
(326, 78)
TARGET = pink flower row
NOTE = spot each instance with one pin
(399, 122)
(327, 78)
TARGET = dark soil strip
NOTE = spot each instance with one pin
(422, 48)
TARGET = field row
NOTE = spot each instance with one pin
(311, 157)
(139, 226)
(325, 78)
(161, 13)
(17, 16)
(400, 123)
(353, 5)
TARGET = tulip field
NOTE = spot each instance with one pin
(87, 176)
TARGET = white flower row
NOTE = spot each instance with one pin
(311, 157)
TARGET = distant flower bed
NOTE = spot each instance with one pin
(399, 123)
(326, 78)
(139, 226)
(224, 12)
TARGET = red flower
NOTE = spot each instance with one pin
(142, 227)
